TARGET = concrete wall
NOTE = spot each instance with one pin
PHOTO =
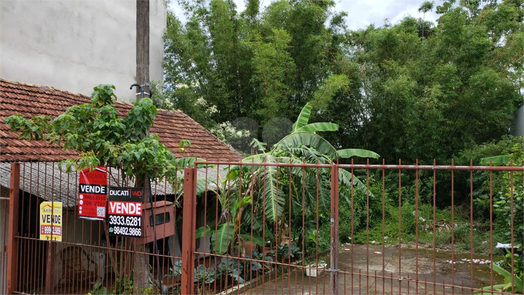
(76, 45)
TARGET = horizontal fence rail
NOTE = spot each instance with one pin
(280, 228)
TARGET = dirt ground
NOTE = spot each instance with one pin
(374, 270)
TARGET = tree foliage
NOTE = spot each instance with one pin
(258, 64)
(409, 90)
(430, 92)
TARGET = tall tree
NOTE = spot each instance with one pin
(430, 92)
(262, 63)
(409, 90)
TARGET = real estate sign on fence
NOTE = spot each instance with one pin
(51, 221)
(125, 211)
(92, 193)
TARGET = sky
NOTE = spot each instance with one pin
(361, 13)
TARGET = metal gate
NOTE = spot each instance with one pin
(295, 228)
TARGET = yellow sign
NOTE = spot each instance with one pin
(51, 221)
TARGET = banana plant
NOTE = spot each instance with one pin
(512, 283)
(303, 144)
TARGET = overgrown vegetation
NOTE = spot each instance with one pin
(410, 90)
(268, 204)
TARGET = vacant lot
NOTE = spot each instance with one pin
(374, 270)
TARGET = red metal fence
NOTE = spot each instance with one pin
(4, 203)
(283, 228)
(88, 259)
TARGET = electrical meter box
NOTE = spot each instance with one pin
(162, 222)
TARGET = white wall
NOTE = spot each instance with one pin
(75, 45)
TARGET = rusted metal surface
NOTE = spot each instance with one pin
(188, 232)
(4, 222)
(269, 228)
(334, 231)
(12, 243)
(416, 270)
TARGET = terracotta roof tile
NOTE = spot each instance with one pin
(31, 100)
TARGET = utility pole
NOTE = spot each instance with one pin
(141, 269)
(142, 45)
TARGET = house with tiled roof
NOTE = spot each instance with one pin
(42, 180)
(31, 100)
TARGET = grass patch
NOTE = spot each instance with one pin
(447, 234)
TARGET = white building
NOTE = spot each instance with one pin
(75, 45)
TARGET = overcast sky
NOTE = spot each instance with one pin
(361, 13)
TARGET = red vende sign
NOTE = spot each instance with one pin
(92, 193)
(125, 208)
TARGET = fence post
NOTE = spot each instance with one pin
(188, 232)
(334, 231)
(12, 243)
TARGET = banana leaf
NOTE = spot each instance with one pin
(317, 127)
(349, 153)
(303, 117)
(496, 160)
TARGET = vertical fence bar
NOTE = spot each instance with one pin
(317, 223)
(3, 241)
(434, 225)
(49, 272)
(400, 226)
(512, 229)
(23, 245)
(188, 232)
(50, 266)
(367, 229)
(453, 227)
(491, 281)
(334, 230)
(416, 227)
(352, 223)
(383, 227)
(12, 245)
(472, 249)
